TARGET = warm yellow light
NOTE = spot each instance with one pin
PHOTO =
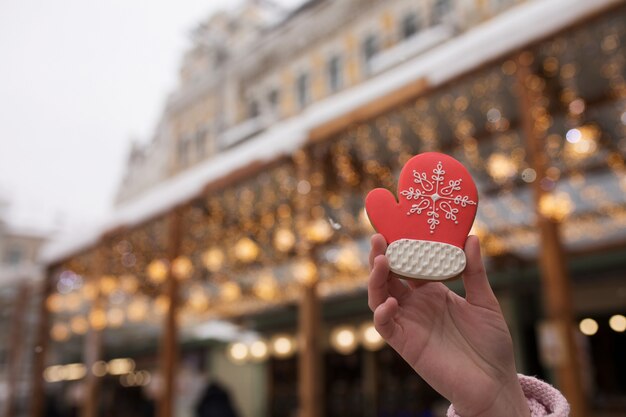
(115, 317)
(137, 310)
(54, 302)
(479, 230)
(230, 291)
(99, 368)
(319, 231)
(348, 259)
(365, 220)
(259, 350)
(89, 291)
(343, 339)
(213, 259)
(182, 268)
(283, 346)
(161, 304)
(59, 332)
(74, 371)
(238, 352)
(98, 319)
(284, 239)
(108, 284)
(588, 327)
(127, 380)
(501, 167)
(266, 287)
(198, 299)
(246, 250)
(54, 373)
(79, 325)
(370, 338)
(305, 272)
(157, 271)
(618, 323)
(121, 366)
(143, 378)
(72, 301)
(581, 142)
(555, 206)
(129, 283)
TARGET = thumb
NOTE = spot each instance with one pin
(477, 289)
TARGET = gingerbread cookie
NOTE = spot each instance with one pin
(426, 229)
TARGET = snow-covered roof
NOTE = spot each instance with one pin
(513, 29)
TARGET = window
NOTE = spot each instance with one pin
(253, 109)
(370, 48)
(303, 90)
(201, 142)
(183, 156)
(13, 256)
(334, 74)
(440, 9)
(409, 25)
(273, 98)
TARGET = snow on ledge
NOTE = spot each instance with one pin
(515, 28)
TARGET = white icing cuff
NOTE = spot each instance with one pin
(424, 259)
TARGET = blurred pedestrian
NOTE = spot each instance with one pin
(215, 402)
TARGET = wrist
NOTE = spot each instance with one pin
(509, 400)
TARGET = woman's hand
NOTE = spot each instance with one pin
(460, 346)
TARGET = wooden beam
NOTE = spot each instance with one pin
(557, 294)
(41, 347)
(16, 347)
(169, 341)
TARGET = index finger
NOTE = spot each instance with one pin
(378, 247)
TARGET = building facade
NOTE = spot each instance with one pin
(20, 276)
(258, 65)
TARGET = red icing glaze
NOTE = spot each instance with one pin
(437, 202)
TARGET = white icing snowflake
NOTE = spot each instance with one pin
(435, 197)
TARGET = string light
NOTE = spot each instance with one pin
(182, 268)
(618, 323)
(238, 352)
(157, 271)
(246, 250)
(588, 327)
(370, 338)
(283, 346)
(213, 259)
(343, 339)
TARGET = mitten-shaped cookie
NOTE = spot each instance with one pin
(427, 228)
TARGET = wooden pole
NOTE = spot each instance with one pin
(554, 276)
(309, 322)
(16, 348)
(41, 346)
(309, 365)
(93, 353)
(169, 341)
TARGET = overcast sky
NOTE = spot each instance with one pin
(78, 80)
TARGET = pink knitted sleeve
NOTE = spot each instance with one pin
(543, 399)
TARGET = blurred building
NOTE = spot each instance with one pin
(247, 204)
(259, 64)
(20, 276)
